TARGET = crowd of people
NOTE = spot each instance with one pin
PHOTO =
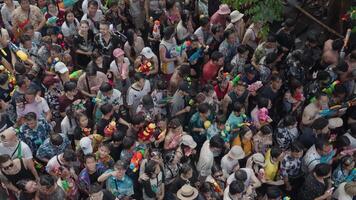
(171, 99)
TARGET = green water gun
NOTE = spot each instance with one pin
(236, 80)
(65, 185)
(76, 74)
(329, 90)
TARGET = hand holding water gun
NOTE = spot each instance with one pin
(334, 109)
(145, 67)
(75, 75)
(184, 46)
(52, 21)
(329, 90)
(136, 159)
(110, 129)
(19, 53)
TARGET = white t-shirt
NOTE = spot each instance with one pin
(341, 194)
(134, 96)
(70, 30)
(352, 140)
(66, 128)
(228, 165)
(311, 159)
(115, 69)
(53, 163)
(206, 160)
(249, 173)
(13, 152)
(97, 18)
(39, 107)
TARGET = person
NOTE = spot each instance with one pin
(120, 69)
(251, 36)
(96, 192)
(14, 170)
(93, 16)
(49, 188)
(287, 132)
(235, 191)
(273, 158)
(263, 140)
(133, 46)
(187, 192)
(28, 189)
(344, 171)
(230, 162)
(147, 56)
(203, 31)
(88, 177)
(117, 182)
(314, 155)
(152, 184)
(55, 144)
(315, 185)
(220, 16)
(229, 47)
(61, 160)
(270, 45)
(6, 10)
(237, 23)
(90, 82)
(137, 90)
(209, 150)
(70, 25)
(197, 121)
(211, 68)
(345, 191)
(167, 54)
(11, 145)
(83, 44)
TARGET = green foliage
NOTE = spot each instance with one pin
(352, 14)
(259, 10)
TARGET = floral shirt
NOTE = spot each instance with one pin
(119, 188)
(84, 179)
(291, 167)
(35, 137)
(52, 98)
(286, 136)
(339, 176)
(47, 150)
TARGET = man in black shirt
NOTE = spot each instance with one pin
(115, 145)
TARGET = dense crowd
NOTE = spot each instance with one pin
(171, 99)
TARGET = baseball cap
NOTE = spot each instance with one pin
(86, 145)
(259, 159)
(250, 69)
(188, 141)
(60, 67)
(118, 52)
(147, 52)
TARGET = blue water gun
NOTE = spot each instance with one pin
(196, 55)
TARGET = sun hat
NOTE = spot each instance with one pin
(86, 145)
(236, 153)
(335, 123)
(118, 52)
(235, 16)
(188, 141)
(60, 67)
(147, 52)
(187, 192)
(224, 9)
(259, 159)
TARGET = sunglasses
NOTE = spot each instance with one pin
(9, 167)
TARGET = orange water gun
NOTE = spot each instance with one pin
(136, 160)
(148, 132)
(110, 129)
(145, 67)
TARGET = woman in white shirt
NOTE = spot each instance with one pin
(70, 25)
(184, 27)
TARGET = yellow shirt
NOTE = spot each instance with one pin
(246, 145)
(271, 168)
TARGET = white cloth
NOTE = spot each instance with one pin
(247, 182)
(13, 153)
(228, 165)
(311, 159)
(97, 18)
(134, 96)
(70, 30)
(341, 194)
(206, 160)
(352, 140)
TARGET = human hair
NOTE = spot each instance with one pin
(4, 158)
(93, 3)
(3, 78)
(25, 38)
(273, 192)
(266, 129)
(339, 89)
(118, 136)
(91, 69)
(69, 86)
(347, 160)
(20, 68)
(276, 152)
(89, 156)
(56, 48)
(68, 11)
(31, 91)
(204, 21)
(237, 107)
(185, 168)
(296, 147)
(337, 44)
(104, 22)
(94, 188)
(240, 175)
(56, 139)
(236, 187)
(28, 27)
(84, 22)
(168, 32)
(320, 143)
(341, 142)
(150, 167)
(322, 169)
(203, 108)
(342, 66)
(216, 141)
(242, 49)
(21, 184)
(271, 38)
(289, 120)
(137, 119)
(105, 87)
(30, 116)
(216, 28)
(276, 77)
(20, 80)
(130, 35)
(47, 180)
(138, 77)
(262, 102)
(271, 57)
(227, 33)
(170, 4)
(127, 142)
(185, 16)
(106, 108)
(69, 155)
(216, 55)
(206, 187)
(215, 168)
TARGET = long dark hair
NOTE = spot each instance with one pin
(131, 40)
(65, 17)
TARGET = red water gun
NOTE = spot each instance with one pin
(147, 132)
(136, 160)
(145, 67)
(110, 129)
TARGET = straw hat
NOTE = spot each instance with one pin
(187, 192)
(235, 16)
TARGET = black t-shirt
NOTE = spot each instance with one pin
(115, 152)
(104, 48)
(268, 93)
(311, 189)
(93, 178)
(5, 122)
(100, 126)
(106, 195)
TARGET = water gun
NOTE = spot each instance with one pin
(346, 41)
(145, 67)
(165, 100)
(156, 33)
(217, 187)
(328, 157)
(207, 124)
(110, 129)
(333, 110)
(75, 75)
(136, 159)
(65, 185)
(236, 80)
(225, 134)
(184, 46)
(96, 100)
(69, 3)
(263, 115)
(147, 132)
(19, 53)
(196, 55)
(52, 20)
(329, 90)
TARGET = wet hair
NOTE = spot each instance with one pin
(185, 168)
(216, 141)
(137, 119)
(4, 158)
(20, 68)
(228, 32)
(56, 139)
(185, 15)
(337, 44)
(236, 187)
(69, 86)
(342, 141)
(237, 107)
(170, 4)
(91, 69)
(138, 77)
(106, 108)
(342, 66)
(47, 180)
(94, 188)
(93, 3)
(174, 123)
(296, 147)
(3, 78)
(271, 57)
(30, 116)
(289, 120)
(150, 167)
(262, 102)
(216, 55)
(69, 155)
(21, 184)
(118, 136)
(128, 142)
(105, 87)
(168, 32)
(266, 129)
(203, 108)
(216, 28)
(242, 49)
(322, 169)
(25, 38)
(240, 175)
(20, 80)
(204, 21)
(276, 152)
(321, 143)
(206, 187)
(215, 168)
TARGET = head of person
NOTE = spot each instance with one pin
(246, 133)
(84, 26)
(205, 23)
(104, 27)
(27, 186)
(240, 88)
(104, 150)
(217, 58)
(204, 110)
(347, 163)
(217, 30)
(30, 95)
(26, 41)
(95, 191)
(69, 156)
(47, 184)
(25, 4)
(236, 189)
(184, 88)
(185, 17)
(6, 164)
(117, 138)
(243, 51)
(238, 108)
(263, 102)
(8, 137)
(216, 145)
(92, 7)
(31, 120)
(56, 139)
(152, 169)
(273, 193)
(82, 120)
(241, 175)
(186, 171)
(106, 89)
(217, 173)
(224, 10)
(128, 143)
(55, 50)
(168, 33)
(321, 126)
(277, 153)
(119, 55)
(91, 70)
(290, 122)
(139, 79)
(322, 146)
(107, 109)
(90, 162)
(230, 36)
(322, 170)
(29, 30)
(339, 93)
(70, 87)
(4, 77)
(52, 6)
(296, 149)
(97, 59)
(138, 121)
(276, 82)
(266, 130)
(271, 42)
(350, 188)
(289, 24)
(131, 37)
(206, 190)
(69, 16)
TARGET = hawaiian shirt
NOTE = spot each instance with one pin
(47, 150)
(35, 137)
(52, 98)
(285, 136)
(339, 176)
(119, 188)
(107, 161)
(291, 167)
(83, 178)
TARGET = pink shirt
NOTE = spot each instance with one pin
(218, 19)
